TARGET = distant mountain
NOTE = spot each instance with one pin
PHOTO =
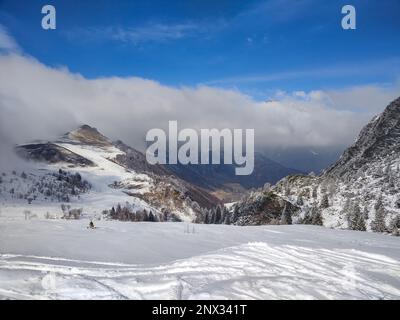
(361, 191)
(118, 175)
(305, 159)
(222, 180)
(204, 184)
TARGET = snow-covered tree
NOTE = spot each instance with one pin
(316, 217)
(346, 207)
(307, 218)
(366, 213)
(314, 193)
(397, 203)
(287, 189)
(286, 217)
(218, 215)
(356, 218)
(235, 213)
(267, 187)
(379, 224)
(395, 226)
(227, 218)
(300, 201)
(324, 201)
(152, 217)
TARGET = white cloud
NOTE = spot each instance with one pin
(7, 43)
(37, 101)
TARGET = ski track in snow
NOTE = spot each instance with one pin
(268, 268)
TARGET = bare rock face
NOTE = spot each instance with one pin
(136, 160)
(52, 153)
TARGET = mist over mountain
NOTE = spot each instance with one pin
(305, 159)
(126, 108)
(219, 180)
(360, 191)
(220, 176)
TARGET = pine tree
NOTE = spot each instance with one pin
(225, 213)
(201, 216)
(365, 213)
(300, 201)
(324, 201)
(395, 226)
(222, 215)
(218, 215)
(356, 219)
(397, 203)
(212, 216)
(315, 192)
(331, 188)
(316, 217)
(119, 209)
(388, 170)
(267, 187)
(235, 213)
(378, 224)
(207, 217)
(287, 188)
(112, 213)
(307, 218)
(346, 208)
(286, 217)
(145, 215)
(227, 218)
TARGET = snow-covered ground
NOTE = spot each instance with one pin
(61, 259)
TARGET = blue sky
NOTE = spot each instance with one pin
(257, 47)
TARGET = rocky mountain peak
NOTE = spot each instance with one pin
(89, 135)
(379, 139)
(359, 192)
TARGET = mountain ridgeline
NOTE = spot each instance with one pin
(361, 191)
(119, 174)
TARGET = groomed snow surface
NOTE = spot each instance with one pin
(60, 259)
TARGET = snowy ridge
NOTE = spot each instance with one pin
(110, 169)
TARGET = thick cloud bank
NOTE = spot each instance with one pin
(40, 102)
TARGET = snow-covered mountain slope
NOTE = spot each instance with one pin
(60, 259)
(361, 191)
(114, 175)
